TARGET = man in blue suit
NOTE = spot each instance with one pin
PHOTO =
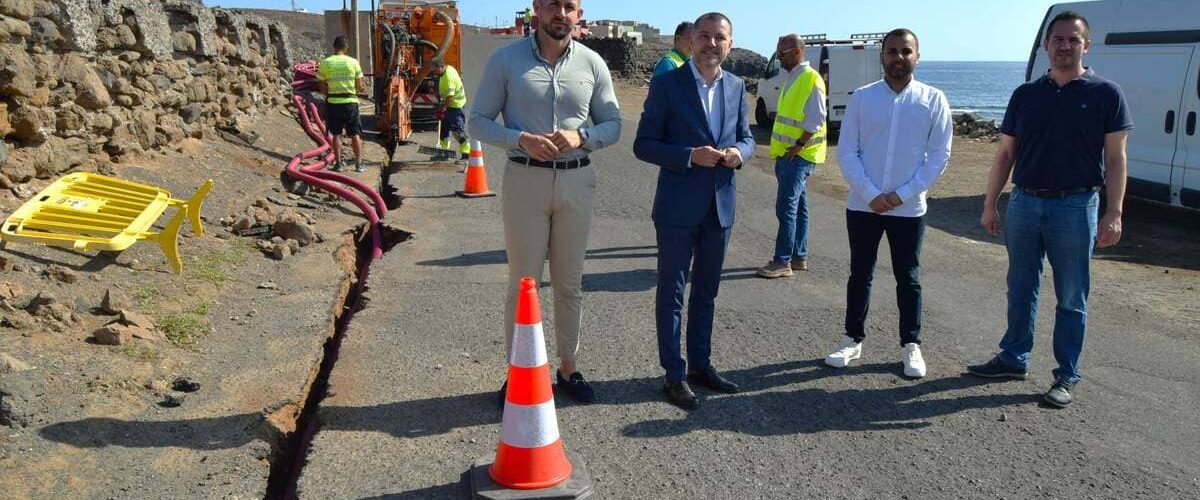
(694, 126)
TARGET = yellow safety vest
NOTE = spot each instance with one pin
(676, 58)
(341, 74)
(789, 119)
(450, 88)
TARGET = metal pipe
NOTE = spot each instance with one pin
(447, 39)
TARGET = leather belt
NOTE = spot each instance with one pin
(557, 165)
(1058, 193)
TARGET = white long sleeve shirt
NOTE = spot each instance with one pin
(894, 142)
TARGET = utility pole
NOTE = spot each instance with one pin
(354, 29)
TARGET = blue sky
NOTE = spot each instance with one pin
(950, 30)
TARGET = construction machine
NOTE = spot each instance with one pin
(408, 35)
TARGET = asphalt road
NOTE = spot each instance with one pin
(412, 395)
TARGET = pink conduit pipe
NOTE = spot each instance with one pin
(334, 182)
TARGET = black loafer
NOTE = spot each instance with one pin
(679, 394)
(709, 378)
(576, 387)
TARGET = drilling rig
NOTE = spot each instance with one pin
(408, 35)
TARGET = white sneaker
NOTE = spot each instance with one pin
(914, 363)
(847, 351)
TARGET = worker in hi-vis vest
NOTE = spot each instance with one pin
(680, 53)
(341, 79)
(454, 98)
(797, 145)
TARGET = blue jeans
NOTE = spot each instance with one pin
(1064, 231)
(791, 208)
(904, 235)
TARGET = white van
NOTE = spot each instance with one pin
(1152, 50)
(844, 64)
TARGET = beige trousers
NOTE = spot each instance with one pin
(548, 210)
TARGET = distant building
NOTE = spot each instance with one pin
(633, 30)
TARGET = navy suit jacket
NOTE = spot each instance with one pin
(673, 122)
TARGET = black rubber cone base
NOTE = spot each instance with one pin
(579, 485)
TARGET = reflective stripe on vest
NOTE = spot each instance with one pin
(450, 88)
(676, 58)
(340, 73)
(789, 120)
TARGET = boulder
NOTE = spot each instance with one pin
(29, 124)
(131, 318)
(125, 37)
(183, 41)
(5, 125)
(46, 306)
(16, 71)
(290, 225)
(13, 30)
(114, 301)
(63, 274)
(18, 171)
(20, 9)
(113, 334)
(44, 31)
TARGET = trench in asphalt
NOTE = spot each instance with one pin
(291, 448)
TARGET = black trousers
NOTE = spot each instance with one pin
(904, 235)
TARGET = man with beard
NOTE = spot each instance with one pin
(797, 145)
(695, 127)
(558, 104)
(894, 145)
(1065, 132)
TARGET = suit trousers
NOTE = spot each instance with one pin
(676, 245)
(548, 212)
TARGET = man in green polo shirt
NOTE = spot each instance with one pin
(341, 79)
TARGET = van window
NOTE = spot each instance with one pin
(772, 69)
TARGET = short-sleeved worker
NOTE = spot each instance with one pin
(341, 73)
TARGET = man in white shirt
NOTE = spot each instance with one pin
(894, 145)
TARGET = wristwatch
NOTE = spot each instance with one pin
(583, 134)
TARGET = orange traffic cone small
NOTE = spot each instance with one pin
(476, 184)
(530, 455)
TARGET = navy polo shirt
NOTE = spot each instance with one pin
(1060, 130)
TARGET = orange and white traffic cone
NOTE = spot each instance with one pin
(530, 455)
(476, 183)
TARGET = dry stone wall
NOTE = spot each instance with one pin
(87, 82)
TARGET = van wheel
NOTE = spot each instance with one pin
(761, 118)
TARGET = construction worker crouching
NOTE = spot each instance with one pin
(454, 98)
(341, 79)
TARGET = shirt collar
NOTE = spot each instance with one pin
(1087, 76)
(681, 55)
(537, 54)
(700, 78)
(799, 68)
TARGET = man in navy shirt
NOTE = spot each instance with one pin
(1066, 134)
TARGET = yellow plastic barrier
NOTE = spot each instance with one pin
(88, 211)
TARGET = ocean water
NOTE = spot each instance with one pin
(982, 87)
